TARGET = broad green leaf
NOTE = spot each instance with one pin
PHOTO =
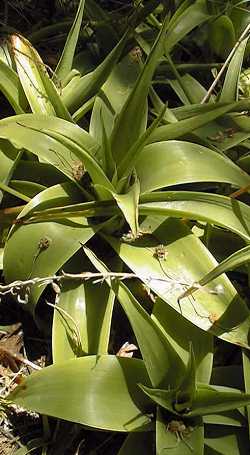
(91, 164)
(167, 441)
(157, 353)
(9, 160)
(112, 96)
(36, 122)
(69, 334)
(210, 399)
(39, 89)
(177, 162)
(181, 24)
(129, 162)
(230, 263)
(180, 332)
(64, 65)
(221, 36)
(226, 441)
(7, 189)
(83, 325)
(60, 143)
(29, 189)
(188, 89)
(187, 388)
(22, 256)
(192, 110)
(109, 165)
(130, 121)
(207, 400)
(86, 209)
(128, 203)
(213, 208)
(225, 315)
(11, 88)
(98, 391)
(27, 61)
(229, 92)
(175, 130)
(234, 418)
(79, 90)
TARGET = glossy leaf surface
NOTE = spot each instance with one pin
(103, 393)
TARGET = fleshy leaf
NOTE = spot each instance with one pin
(64, 65)
(103, 393)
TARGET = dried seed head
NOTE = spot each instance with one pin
(78, 170)
(135, 54)
(44, 243)
(160, 252)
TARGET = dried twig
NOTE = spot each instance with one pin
(21, 288)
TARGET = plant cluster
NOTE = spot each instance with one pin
(126, 201)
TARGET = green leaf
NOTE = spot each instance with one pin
(112, 97)
(86, 209)
(69, 323)
(64, 65)
(211, 399)
(230, 263)
(128, 203)
(131, 158)
(207, 399)
(221, 36)
(186, 261)
(11, 88)
(177, 162)
(60, 143)
(157, 353)
(91, 164)
(38, 87)
(192, 110)
(188, 89)
(175, 130)
(29, 189)
(213, 208)
(22, 257)
(226, 441)
(15, 193)
(164, 398)
(187, 388)
(83, 326)
(130, 121)
(178, 444)
(180, 332)
(184, 21)
(78, 91)
(229, 92)
(9, 161)
(103, 393)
